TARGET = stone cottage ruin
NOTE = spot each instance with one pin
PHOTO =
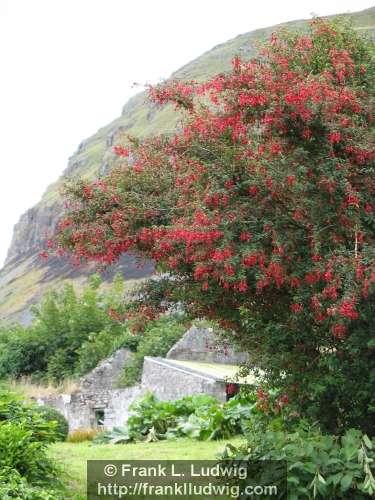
(194, 365)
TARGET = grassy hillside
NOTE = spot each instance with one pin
(25, 277)
(140, 118)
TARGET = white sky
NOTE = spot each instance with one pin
(67, 68)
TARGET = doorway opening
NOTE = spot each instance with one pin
(99, 417)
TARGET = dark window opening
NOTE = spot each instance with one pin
(99, 417)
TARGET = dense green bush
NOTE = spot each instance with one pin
(159, 336)
(25, 433)
(20, 450)
(161, 416)
(13, 485)
(14, 410)
(22, 351)
(198, 417)
(98, 346)
(49, 414)
(66, 336)
(71, 333)
(318, 465)
(341, 390)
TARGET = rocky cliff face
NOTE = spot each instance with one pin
(25, 277)
(31, 229)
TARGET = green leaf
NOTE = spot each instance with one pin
(346, 482)
(335, 478)
(321, 479)
(367, 442)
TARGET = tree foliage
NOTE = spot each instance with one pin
(260, 209)
(318, 465)
(70, 333)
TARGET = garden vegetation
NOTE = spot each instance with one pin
(72, 332)
(260, 213)
(26, 431)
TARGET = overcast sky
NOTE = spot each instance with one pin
(67, 68)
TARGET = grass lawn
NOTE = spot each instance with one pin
(73, 456)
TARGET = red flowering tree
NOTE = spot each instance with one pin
(260, 210)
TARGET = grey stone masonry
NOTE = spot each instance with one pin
(167, 381)
(107, 374)
(81, 409)
(201, 344)
(98, 402)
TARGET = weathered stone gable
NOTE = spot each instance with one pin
(108, 372)
(201, 344)
(99, 402)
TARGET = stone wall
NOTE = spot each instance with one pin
(167, 381)
(108, 373)
(100, 403)
(201, 344)
(117, 412)
(81, 409)
(98, 394)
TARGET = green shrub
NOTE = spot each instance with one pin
(20, 450)
(100, 345)
(60, 365)
(51, 347)
(13, 485)
(26, 430)
(318, 465)
(132, 372)
(22, 351)
(159, 336)
(118, 435)
(13, 409)
(49, 414)
(218, 421)
(149, 413)
(198, 417)
(128, 340)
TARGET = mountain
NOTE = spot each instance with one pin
(25, 277)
